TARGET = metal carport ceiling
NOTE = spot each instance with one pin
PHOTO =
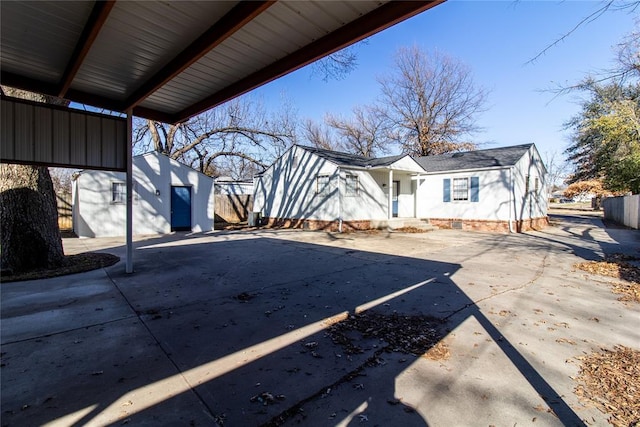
(169, 61)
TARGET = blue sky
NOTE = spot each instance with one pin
(497, 39)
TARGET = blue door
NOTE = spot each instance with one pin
(180, 208)
(394, 198)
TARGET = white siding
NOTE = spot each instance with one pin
(287, 189)
(96, 216)
(500, 190)
(493, 201)
(531, 204)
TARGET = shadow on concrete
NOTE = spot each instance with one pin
(209, 324)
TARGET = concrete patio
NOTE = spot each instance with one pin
(208, 322)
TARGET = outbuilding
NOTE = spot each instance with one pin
(167, 196)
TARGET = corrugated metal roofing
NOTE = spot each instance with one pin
(172, 60)
(478, 159)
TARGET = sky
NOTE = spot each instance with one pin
(497, 40)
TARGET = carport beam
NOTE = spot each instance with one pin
(129, 216)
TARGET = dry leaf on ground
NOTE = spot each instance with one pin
(610, 380)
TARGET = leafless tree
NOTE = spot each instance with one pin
(364, 133)
(337, 65)
(431, 102)
(319, 135)
(239, 129)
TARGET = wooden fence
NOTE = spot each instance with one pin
(233, 208)
(65, 212)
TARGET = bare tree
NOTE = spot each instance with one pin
(319, 135)
(240, 129)
(365, 133)
(337, 65)
(557, 171)
(431, 102)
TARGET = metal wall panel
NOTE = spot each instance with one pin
(61, 132)
(6, 132)
(23, 133)
(36, 133)
(43, 131)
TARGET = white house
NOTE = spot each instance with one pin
(168, 196)
(497, 189)
(321, 189)
(502, 189)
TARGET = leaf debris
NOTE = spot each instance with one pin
(610, 380)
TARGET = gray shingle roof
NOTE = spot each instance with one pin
(353, 160)
(478, 159)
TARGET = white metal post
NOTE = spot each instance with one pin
(390, 201)
(129, 216)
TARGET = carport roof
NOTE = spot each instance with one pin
(169, 61)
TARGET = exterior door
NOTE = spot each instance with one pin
(180, 208)
(394, 198)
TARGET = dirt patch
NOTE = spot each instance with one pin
(618, 266)
(410, 230)
(415, 335)
(73, 264)
(610, 381)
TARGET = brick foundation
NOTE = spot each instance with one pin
(445, 223)
(488, 225)
(314, 224)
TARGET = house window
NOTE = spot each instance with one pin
(352, 186)
(536, 186)
(460, 189)
(118, 192)
(463, 189)
(322, 185)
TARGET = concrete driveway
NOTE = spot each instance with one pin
(231, 328)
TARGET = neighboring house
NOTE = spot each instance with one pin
(502, 189)
(167, 196)
(495, 189)
(320, 189)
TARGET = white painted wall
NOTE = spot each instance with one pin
(534, 203)
(495, 200)
(95, 215)
(288, 189)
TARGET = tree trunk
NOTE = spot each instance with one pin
(29, 233)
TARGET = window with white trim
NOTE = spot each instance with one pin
(351, 185)
(322, 185)
(460, 189)
(118, 192)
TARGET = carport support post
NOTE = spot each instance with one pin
(390, 198)
(129, 216)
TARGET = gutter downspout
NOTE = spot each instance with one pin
(339, 201)
(511, 199)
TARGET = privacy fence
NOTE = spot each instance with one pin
(233, 208)
(623, 210)
(65, 211)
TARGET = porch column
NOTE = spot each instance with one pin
(390, 199)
